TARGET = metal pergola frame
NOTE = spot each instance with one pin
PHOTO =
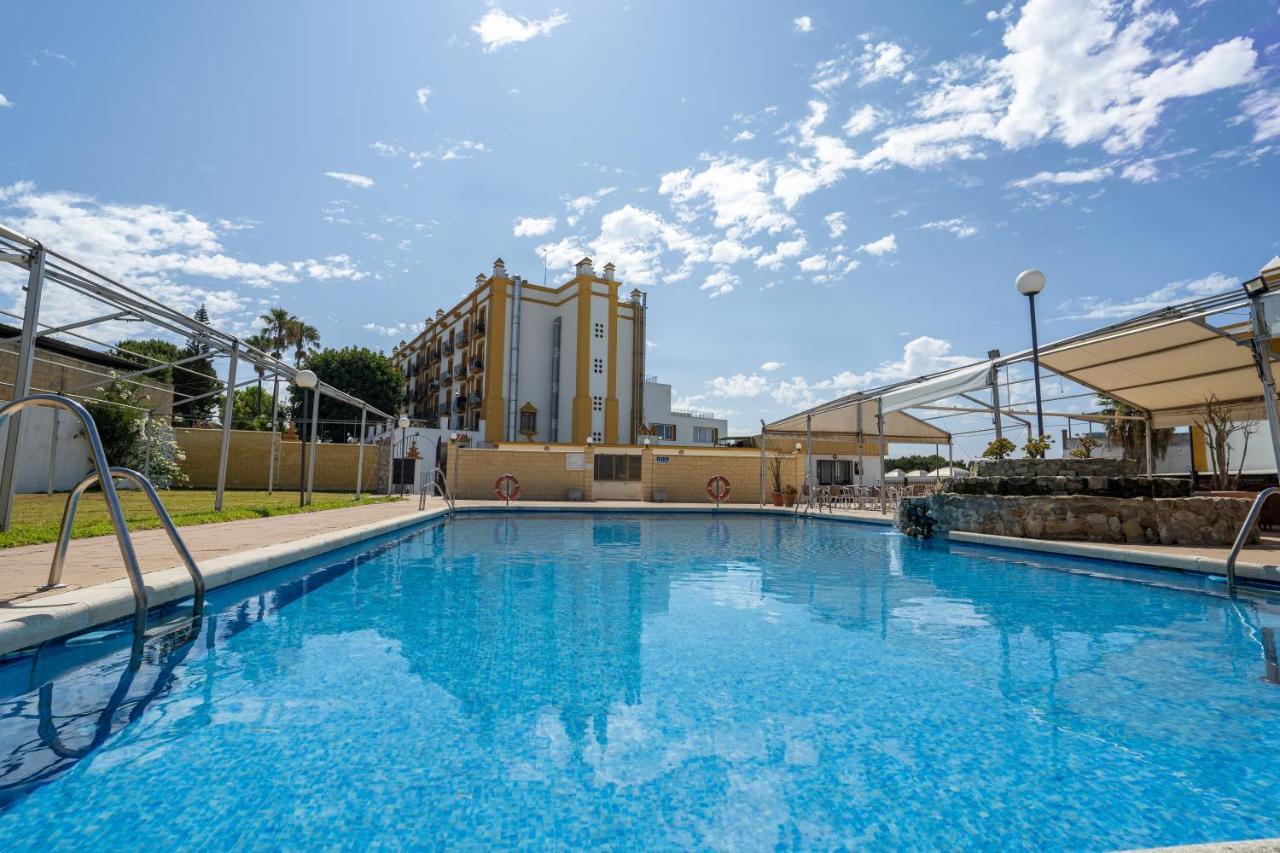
(45, 266)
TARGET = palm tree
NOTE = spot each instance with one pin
(262, 343)
(1131, 435)
(304, 337)
(276, 325)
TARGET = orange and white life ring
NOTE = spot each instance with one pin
(506, 488)
(718, 488)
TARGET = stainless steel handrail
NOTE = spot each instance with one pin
(127, 554)
(440, 482)
(1250, 520)
(69, 516)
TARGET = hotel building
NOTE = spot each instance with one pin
(517, 361)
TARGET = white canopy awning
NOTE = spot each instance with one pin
(857, 417)
(960, 381)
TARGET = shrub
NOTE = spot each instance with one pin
(1036, 448)
(999, 449)
(1085, 445)
(122, 426)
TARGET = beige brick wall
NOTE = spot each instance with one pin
(543, 475)
(58, 373)
(247, 461)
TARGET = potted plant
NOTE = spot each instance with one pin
(775, 472)
(999, 449)
(1036, 448)
(789, 493)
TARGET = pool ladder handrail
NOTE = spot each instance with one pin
(105, 474)
(438, 481)
(1250, 520)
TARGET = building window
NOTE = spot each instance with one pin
(705, 435)
(597, 437)
(666, 432)
(835, 472)
(597, 404)
(528, 421)
(617, 468)
(600, 331)
(597, 365)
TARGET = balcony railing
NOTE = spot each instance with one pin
(479, 329)
(477, 365)
(463, 339)
(474, 400)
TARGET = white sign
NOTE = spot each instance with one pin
(575, 461)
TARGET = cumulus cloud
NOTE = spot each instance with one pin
(534, 226)
(5, 102)
(735, 191)
(1262, 108)
(1108, 308)
(835, 223)
(861, 120)
(720, 282)
(1141, 171)
(882, 61)
(1067, 178)
(351, 178)
(785, 249)
(422, 94)
(498, 29)
(886, 245)
(803, 24)
(579, 205)
(739, 385)
(392, 330)
(770, 366)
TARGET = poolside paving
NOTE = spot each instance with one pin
(97, 561)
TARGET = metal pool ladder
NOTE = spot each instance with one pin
(105, 474)
(439, 482)
(1250, 520)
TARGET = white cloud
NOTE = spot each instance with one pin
(861, 120)
(563, 253)
(1141, 171)
(451, 149)
(814, 263)
(770, 366)
(739, 385)
(744, 136)
(835, 224)
(1065, 178)
(635, 240)
(581, 204)
(882, 61)
(534, 226)
(394, 330)
(785, 249)
(720, 282)
(884, 246)
(734, 190)
(497, 29)
(819, 160)
(1074, 71)
(422, 94)
(352, 179)
(803, 24)
(959, 227)
(1263, 109)
(386, 149)
(331, 267)
(1106, 308)
(5, 102)
(731, 251)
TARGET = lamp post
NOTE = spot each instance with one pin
(403, 423)
(306, 380)
(1029, 283)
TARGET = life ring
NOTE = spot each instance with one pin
(506, 488)
(718, 488)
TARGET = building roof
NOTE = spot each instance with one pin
(857, 418)
(10, 334)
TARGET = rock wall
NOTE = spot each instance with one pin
(1163, 521)
(1057, 468)
(1114, 487)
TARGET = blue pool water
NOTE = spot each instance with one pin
(690, 681)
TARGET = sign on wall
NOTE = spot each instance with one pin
(575, 462)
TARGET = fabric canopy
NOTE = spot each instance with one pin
(857, 416)
(1166, 368)
(971, 378)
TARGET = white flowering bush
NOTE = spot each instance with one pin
(122, 425)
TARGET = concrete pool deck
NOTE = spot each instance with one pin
(97, 590)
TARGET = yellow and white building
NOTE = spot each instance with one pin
(517, 361)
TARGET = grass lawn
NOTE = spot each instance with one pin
(36, 517)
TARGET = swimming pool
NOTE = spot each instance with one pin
(665, 680)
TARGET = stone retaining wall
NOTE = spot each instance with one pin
(1057, 468)
(1163, 521)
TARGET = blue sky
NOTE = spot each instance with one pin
(816, 196)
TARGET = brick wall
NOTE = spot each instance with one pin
(247, 461)
(544, 474)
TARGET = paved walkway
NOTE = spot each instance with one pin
(96, 560)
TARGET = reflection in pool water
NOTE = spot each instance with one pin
(660, 680)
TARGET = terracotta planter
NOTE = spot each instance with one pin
(777, 498)
(788, 500)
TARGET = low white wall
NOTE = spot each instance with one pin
(36, 445)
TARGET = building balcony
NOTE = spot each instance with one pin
(479, 328)
(474, 400)
(477, 365)
(459, 403)
(462, 340)
(447, 350)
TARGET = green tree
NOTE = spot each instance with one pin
(125, 434)
(196, 378)
(151, 350)
(304, 338)
(276, 324)
(360, 372)
(252, 409)
(262, 343)
(1131, 435)
(915, 462)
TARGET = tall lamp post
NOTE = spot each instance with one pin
(306, 380)
(1029, 283)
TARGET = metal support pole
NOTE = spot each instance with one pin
(22, 382)
(302, 449)
(53, 452)
(862, 440)
(228, 411)
(1150, 448)
(146, 446)
(880, 435)
(364, 413)
(1261, 345)
(995, 400)
(808, 453)
(275, 416)
(315, 445)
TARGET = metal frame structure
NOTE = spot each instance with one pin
(46, 267)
